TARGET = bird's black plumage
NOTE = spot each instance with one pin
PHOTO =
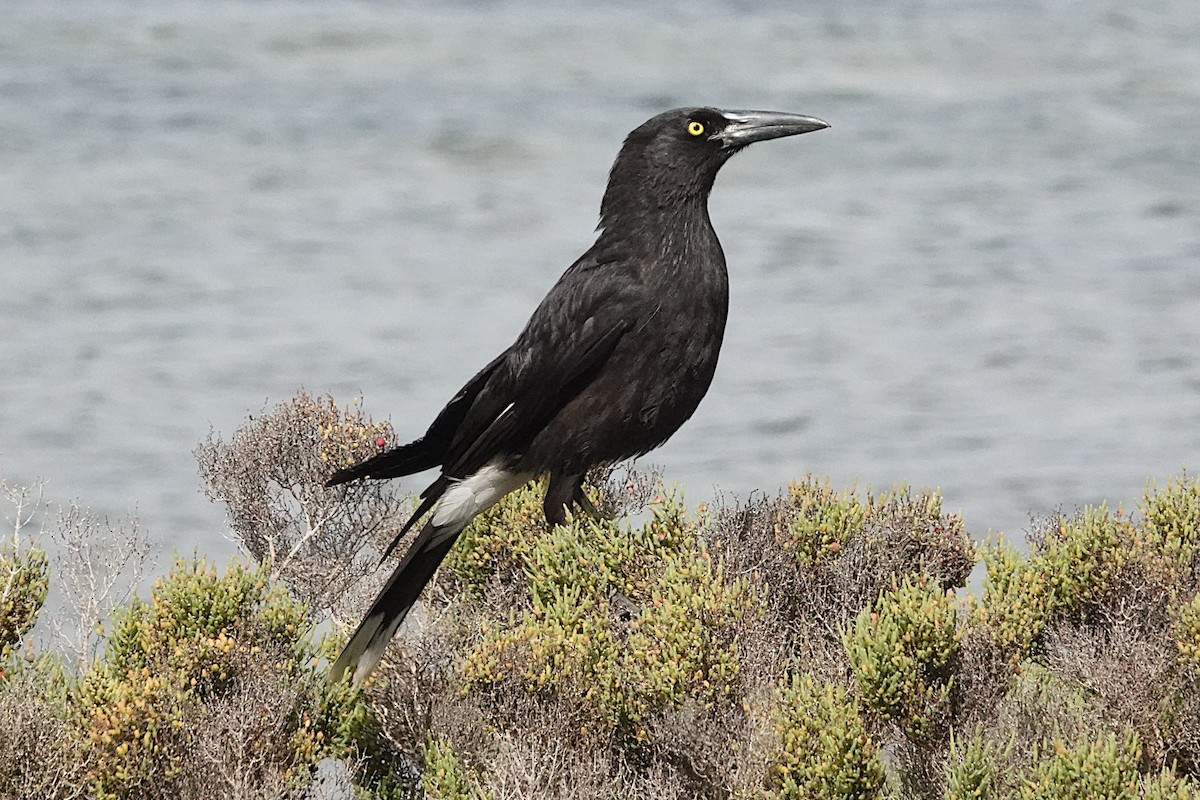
(615, 358)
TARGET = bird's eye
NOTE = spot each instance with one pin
(695, 128)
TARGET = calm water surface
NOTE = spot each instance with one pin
(984, 277)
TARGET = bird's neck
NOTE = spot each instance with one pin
(640, 191)
(675, 227)
(672, 251)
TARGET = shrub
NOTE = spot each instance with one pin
(499, 542)
(1102, 769)
(901, 652)
(824, 748)
(822, 557)
(204, 637)
(972, 767)
(40, 753)
(1172, 520)
(1168, 786)
(649, 652)
(625, 620)
(24, 578)
(1080, 557)
(807, 645)
(1017, 601)
(1068, 574)
(896, 533)
(1187, 631)
(444, 778)
(823, 520)
(270, 475)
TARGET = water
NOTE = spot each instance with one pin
(984, 277)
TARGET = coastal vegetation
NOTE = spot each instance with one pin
(823, 643)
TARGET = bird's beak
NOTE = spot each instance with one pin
(747, 127)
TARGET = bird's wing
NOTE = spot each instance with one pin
(549, 364)
(567, 341)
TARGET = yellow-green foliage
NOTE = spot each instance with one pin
(1080, 557)
(824, 520)
(193, 618)
(1187, 631)
(1104, 769)
(825, 750)
(23, 582)
(1172, 520)
(1016, 600)
(445, 778)
(896, 533)
(971, 768)
(500, 539)
(1070, 571)
(1169, 786)
(625, 619)
(333, 719)
(199, 632)
(900, 651)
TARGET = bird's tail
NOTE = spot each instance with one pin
(407, 459)
(366, 647)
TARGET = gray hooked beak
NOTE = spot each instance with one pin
(748, 127)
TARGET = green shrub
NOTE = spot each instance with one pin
(1168, 786)
(1081, 556)
(823, 520)
(971, 768)
(200, 637)
(1070, 570)
(1074, 568)
(24, 577)
(1187, 631)
(1172, 520)
(625, 620)
(1103, 769)
(901, 652)
(445, 778)
(499, 541)
(824, 748)
(1016, 602)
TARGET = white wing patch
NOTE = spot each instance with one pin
(475, 494)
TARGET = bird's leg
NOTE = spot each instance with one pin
(585, 504)
(559, 494)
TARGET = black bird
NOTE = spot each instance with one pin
(615, 358)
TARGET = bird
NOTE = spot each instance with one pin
(615, 358)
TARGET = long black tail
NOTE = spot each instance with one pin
(407, 459)
(366, 647)
(430, 450)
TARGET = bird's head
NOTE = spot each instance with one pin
(677, 154)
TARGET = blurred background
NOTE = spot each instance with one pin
(984, 277)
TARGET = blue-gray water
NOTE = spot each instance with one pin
(985, 276)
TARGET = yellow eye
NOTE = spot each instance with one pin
(695, 128)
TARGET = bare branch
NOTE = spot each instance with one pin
(270, 475)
